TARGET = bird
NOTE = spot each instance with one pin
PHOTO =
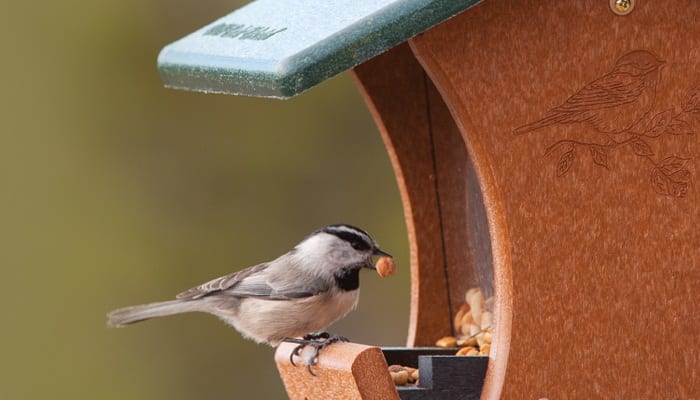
(290, 299)
(613, 103)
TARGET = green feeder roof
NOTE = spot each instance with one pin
(279, 48)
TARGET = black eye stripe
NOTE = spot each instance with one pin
(357, 241)
(345, 232)
(361, 246)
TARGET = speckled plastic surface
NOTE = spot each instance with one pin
(279, 48)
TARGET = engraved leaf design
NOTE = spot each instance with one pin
(670, 178)
(640, 147)
(679, 127)
(565, 162)
(660, 182)
(670, 165)
(658, 124)
(599, 155)
(679, 189)
(692, 104)
(682, 176)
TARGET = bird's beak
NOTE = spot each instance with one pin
(379, 252)
(376, 252)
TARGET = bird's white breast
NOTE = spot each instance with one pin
(271, 321)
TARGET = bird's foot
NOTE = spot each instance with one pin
(318, 341)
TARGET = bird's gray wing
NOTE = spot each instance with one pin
(278, 280)
(283, 279)
(221, 283)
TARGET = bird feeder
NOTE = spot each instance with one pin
(546, 153)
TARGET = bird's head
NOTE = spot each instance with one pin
(639, 62)
(339, 246)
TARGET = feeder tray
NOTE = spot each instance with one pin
(354, 371)
(546, 153)
(443, 375)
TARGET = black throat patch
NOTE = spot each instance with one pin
(348, 278)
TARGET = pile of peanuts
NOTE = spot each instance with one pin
(473, 325)
(403, 375)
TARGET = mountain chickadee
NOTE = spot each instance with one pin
(301, 292)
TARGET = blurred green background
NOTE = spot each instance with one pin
(115, 191)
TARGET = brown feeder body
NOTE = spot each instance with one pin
(586, 153)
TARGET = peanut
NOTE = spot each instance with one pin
(468, 297)
(488, 336)
(402, 375)
(485, 349)
(468, 351)
(467, 319)
(467, 341)
(410, 372)
(400, 378)
(385, 266)
(465, 329)
(475, 299)
(396, 368)
(446, 341)
(463, 310)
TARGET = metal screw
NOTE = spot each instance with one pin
(622, 7)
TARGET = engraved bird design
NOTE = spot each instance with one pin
(613, 103)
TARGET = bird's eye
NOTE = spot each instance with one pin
(359, 245)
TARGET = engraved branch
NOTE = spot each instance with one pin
(618, 105)
(668, 176)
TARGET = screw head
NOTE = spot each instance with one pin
(622, 7)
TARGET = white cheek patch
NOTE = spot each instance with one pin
(338, 254)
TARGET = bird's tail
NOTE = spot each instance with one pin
(128, 315)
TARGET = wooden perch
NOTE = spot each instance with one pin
(344, 371)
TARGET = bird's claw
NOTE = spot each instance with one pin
(318, 341)
(295, 352)
(317, 336)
